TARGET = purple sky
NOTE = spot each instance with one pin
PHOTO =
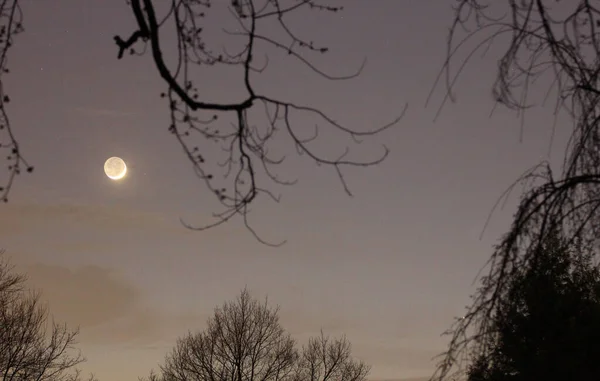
(389, 267)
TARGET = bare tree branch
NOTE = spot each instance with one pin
(248, 160)
(244, 341)
(31, 348)
(11, 19)
(324, 359)
(249, 163)
(555, 44)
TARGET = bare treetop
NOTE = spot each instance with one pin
(244, 341)
(327, 359)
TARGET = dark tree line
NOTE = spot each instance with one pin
(546, 45)
(243, 129)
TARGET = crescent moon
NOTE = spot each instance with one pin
(115, 168)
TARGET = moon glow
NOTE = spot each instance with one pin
(115, 168)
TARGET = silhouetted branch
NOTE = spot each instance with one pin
(324, 359)
(540, 40)
(249, 162)
(244, 341)
(31, 347)
(10, 25)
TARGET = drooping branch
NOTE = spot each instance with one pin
(256, 119)
(555, 44)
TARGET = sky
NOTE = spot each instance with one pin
(389, 267)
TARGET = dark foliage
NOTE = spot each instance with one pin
(555, 45)
(548, 325)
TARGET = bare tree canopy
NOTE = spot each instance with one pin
(555, 45)
(232, 146)
(31, 347)
(324, 359)
(244, 341)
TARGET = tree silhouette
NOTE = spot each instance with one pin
(31, 348)
(548, 43)
(244, 130)
(324, 359)
(244, 341)
(546, 326)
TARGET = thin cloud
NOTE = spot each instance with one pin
(106, 308)
(146, 328)
(16, 217)
(86, 297)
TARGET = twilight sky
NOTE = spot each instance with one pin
(389, 267)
